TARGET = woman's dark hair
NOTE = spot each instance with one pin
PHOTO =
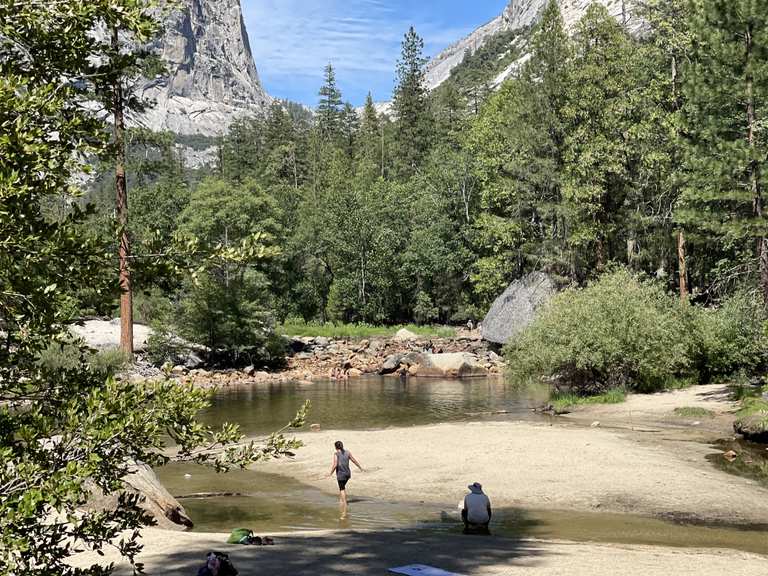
(339, 445)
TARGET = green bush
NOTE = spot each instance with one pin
(66, 357)
(728, 338)
(619, 332)
(163, 346)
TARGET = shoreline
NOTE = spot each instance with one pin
(568, 464)
(621, 472)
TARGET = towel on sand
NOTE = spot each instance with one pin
(421, 570)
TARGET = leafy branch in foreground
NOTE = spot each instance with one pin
(66, 431)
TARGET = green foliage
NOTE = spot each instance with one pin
(563, 401)
(693, 412)
(752, 406)
(424, 310)
(410, 105)
(728, 338)
(65, 426)
(329, 109)
(619, 331)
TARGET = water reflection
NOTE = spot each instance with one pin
(374, 402)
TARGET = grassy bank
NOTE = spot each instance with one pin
(352, 331)
(562, 401)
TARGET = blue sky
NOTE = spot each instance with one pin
(292, 40)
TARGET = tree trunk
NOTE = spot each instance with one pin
(124, 251)
(682, 266)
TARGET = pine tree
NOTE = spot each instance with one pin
(350, 124)
(726, 100)
(370, 143)
(657, 136)
(329, 108)
(597, 155)
(411, 105)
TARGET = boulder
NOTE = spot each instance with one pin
(391, 364)
(516, 308)
(402, 335)
(753, 428)
(322, 341)
(450, 365)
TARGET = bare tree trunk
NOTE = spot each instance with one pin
(682, 266)
(124, 252)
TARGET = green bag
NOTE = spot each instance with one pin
(240, 536)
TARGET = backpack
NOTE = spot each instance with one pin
(225, 566)
(240, 536)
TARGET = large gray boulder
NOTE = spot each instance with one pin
(516, 308)
(450, 365)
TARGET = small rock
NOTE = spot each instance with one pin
(322, 341)
(261, 375)
(595, 425)
(249, 370)
(179, 369)
(314, 427)
(404, 334)
(730, 455)
(355, 373)
(187, 476)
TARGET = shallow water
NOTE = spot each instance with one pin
(373, 402)
(268, 503)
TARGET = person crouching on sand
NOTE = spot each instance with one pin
(341, 459)
(476, 513)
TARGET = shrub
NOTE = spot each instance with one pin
(693, 412)
(728, 338)
(620, 331)
(66, 357)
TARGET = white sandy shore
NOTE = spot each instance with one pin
(561, 466)
(535, 466)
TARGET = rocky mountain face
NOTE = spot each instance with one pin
(211, 77)
(518, 15)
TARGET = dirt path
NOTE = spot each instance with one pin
(372, 553)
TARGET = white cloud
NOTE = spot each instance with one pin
(297, 38)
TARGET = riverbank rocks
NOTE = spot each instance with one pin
(404, 334)
(516, 308)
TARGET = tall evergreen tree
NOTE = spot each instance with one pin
(597, 175)
(411, 105)
(350, 124)
(726, 102)
(329, 107)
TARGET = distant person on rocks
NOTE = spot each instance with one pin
(341, 459)
(470, 325)
(476, 512)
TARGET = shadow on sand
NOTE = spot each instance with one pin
(351, 552)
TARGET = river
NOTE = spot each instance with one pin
(268, 503)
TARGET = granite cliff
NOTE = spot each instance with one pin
(518, 15)
(211, 77)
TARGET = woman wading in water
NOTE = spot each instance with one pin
(340, 465)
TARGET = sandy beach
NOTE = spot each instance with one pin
(641, 459)
(650, 471)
